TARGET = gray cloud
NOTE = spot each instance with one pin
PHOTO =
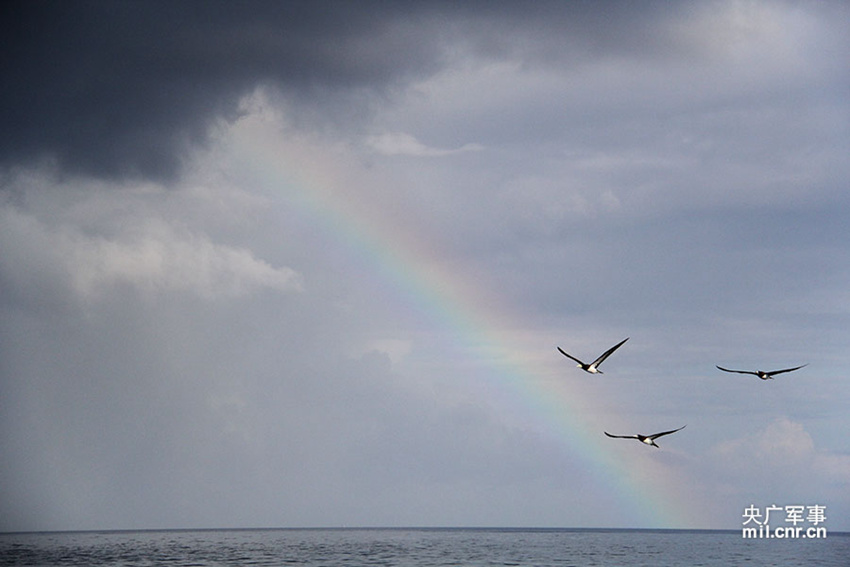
(267, 264)
(123, 88)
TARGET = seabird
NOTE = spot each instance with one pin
(761, 373)
(648, 439)
(593, 367)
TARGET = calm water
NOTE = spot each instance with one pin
(417, 548)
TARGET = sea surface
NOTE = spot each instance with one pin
(418, 548)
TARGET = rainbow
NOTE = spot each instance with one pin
(645, 493)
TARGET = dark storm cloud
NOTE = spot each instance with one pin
(115, 88)
(120, 89)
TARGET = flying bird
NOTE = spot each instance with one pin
(761, 373)
(593, 367)
(648, 439)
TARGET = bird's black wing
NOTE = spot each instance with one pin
(663, 433)
(608, 352)
(569, 355)
(621, 436)
(775, 372)
(738, 371)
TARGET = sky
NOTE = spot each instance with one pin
(307, 264)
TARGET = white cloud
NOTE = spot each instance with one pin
(124, 238)
(164, 260)
(400, 143)
(782, 448)
(395, 349)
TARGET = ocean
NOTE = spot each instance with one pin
(418, 548)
